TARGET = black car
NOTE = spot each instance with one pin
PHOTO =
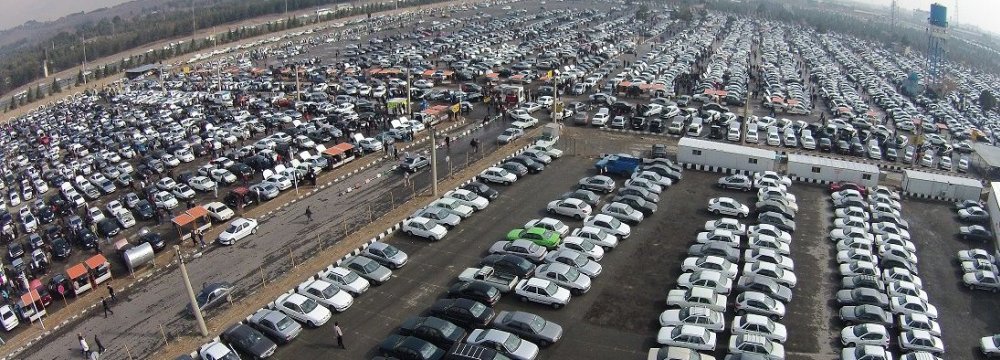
(61, 248)
(715, 248)
(515, 168)
(409, 347)
(509, 264)
(463, 312)
(533, 166)
(439, 332)
(108, 227)
(766, 286)
(774, 206)
(665, 171)
(637, 123)
(15, 250)
(241, 170)
(154, 240)
(647, 208)
(45, 215)
(825, 144)
(475, 290)
(529, 327)
(249, 341)
(656, 125)
(862, 281)
(144, 210)
(587, 196)
(778, 220)
(86, 239)
(58, 282)
(975, 232)
(481, 189)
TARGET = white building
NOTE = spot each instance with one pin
(993, 206)
(927, 185)
(819, 170)
(722, 157)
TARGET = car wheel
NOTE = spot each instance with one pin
(579, 217)
(408, 232)
(557, 306)
(576, 292)
(543, 343)
(551, 211)
(994, 290)
(310, 324)
(716, 212)
(254, 231)
(524, 299)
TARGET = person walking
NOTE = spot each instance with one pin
(111, 293)
(100, 347)
(309, 213)
(107, 308)
(201, 238)
(340, 335)
(84, 347)
(406, 177)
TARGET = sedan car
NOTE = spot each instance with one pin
(528, 326)
(542, 291)
(275, 325)
(920, 340)
(442, 333)
(238, 229)
(409, 347)
(425, 227)
(213, 295)
(623, 213)
(687, 336)
(326, 294)
(505, 342)
(694, 315)
(861, 314)
(975, 232)
(598, 183)
(735, 182)
(727, 206)
(525, 248)
(571, 207)
(758, 324)
(249, 341)
(368, 268)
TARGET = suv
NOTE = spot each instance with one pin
(473, 352)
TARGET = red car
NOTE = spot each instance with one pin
(845, 185)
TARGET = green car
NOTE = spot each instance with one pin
(542, 237)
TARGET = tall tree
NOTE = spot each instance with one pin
(987, 101)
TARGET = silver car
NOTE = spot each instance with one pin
(265, 190)
(368, 269)
(565, 276)
(276, 325)
(599, 183)
(386, 255)
(438, 215)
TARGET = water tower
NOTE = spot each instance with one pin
(937, 36)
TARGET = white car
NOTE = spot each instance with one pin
(217, 350)
(784, 180)
(727, 206)
(715, 280)
(542, 291)
(279, 181)
(166, 184)
(202, 183)
(222, 175)
(95, 214)
(772, 271)
(770, 230)
(453, 206)
(302, 309)
(769, 255)
(183, 191)
(505, 342)
(865, 334)
(7, 318)
(919, 322)
(694, 315)
(729, 224)
(920, 340)
(759, 324)
(687, 336)
(326, 293)
(219, 211)
(548, 223)
(345, 279)
(238, 229)
(866, 352)
(498, 176)
(609, 225)
(468, 198)
(662, 181)
(716, 263)
(425, 228)
(595, 235)
(990, 345)
(719, 235)
(565, 276)
(571, 207)
(125, 218)
(644, 184)
(113, 206)
(165, 200)
(912, 305)
(593, 251)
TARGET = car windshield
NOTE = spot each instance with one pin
(390, 251)
(477, 309)
(350, 277)
(578, 259)
(284, 323)
(572, 274)
(615, 223)
(587, 245)
(308, 306)
(369, 266)
(330, 291)
(512, 343)
(551, 289)
(231, 229)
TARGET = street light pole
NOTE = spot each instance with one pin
(190, 291)
(434, 163)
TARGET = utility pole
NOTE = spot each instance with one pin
(298, 92)
(194, 26)
(434, 163)
(555, 95)
(187, 285)
(409, 109)
(84, 59)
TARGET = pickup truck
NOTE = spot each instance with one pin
(618, 164)
(503, 282)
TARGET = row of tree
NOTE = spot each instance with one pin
(21, 63)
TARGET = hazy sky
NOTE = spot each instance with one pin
(981, 13)
(20, 11)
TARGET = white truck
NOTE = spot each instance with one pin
(486, 274)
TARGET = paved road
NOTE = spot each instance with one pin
(434, 266)
(137, 319)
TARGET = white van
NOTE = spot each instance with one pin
(694, 129)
